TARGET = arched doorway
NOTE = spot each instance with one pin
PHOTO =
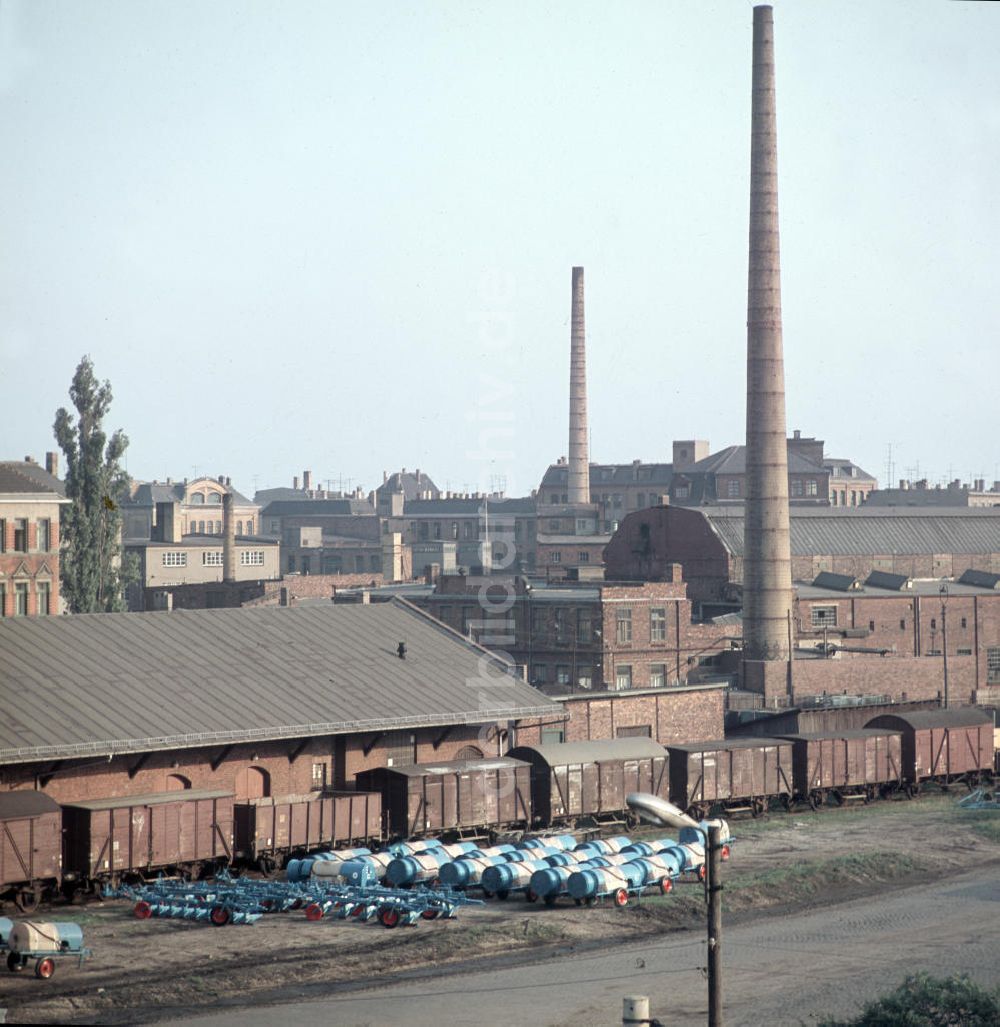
(469, 752)
(253, 783)
(177, 783)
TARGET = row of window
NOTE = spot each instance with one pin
(20, 539)
(20, 593)
(657, 624)
(840, 498)
(585, 675)
(215, 527)
(248, 558)
(826, 617)
(426, 530)
(556, 556)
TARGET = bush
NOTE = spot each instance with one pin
(925, 1001)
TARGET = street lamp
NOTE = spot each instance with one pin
(944, 638)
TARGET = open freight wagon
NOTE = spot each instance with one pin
(732, 774)
(462, 796)
(943, 746)
(573, 781)
(128, 836)
(269, 829)
(30, 847)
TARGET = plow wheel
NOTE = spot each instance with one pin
(429, 914)
(389, 917)
(27, 899)
(142, 910)
(219, 916)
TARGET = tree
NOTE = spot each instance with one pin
(93, 580)
(925, 1001)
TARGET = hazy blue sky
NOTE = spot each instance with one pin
(339, 236)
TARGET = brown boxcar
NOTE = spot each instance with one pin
(30, 847)
(453, 795)
(573, 780)
(108, 838)
(734, 774)
(860, 763)
(268, 828)
(942, 745)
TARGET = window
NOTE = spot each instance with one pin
(173, 559)
(623, 625)
(559, 624)
(964, 623)
(964, 650)
(454, 529)
(902, 625)
(871, 625)
(21, 599)
(635, 731)
(555, 497)
(733, 488)
(290, 563)
(585, 677)
(539, 673)
(201, 527)
(681, 492)
(422, 531)
(44, 592)
(657, 675)
(536, 620)
(583, 556)
(319, 775)
(467, 529)
(517, 531)
(214, 497)
(45, 537)
(584, 627)
(933, 623)
(437, 530)
(554, 525)
(400, 749)
(467, 614)
(551, 736)
(797, 487)
(218, 527)
(198, 498)
(811, 488)
(658, 624)
(640, 500)
(824, 616)
(212, 559)
(616, 500)
(20, 535)
(582, 526)
(835, 499)
(623, 676)
(239, 527)
(555, 557)
(993, 664)
(854, 498)
(252, 558)
(562, 674)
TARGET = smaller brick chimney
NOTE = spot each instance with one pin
(307, 480)
(228, 539)
(52, 464)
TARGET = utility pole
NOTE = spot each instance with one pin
(944, 639)
(714, 887)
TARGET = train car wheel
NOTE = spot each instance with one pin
(45, 968)
(621, 898)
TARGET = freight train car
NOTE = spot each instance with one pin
(129, 836)
(30, 847)
(572, 781)
(942, 746)
(851, 764)
(269, 830)
(462, 796)
(733, 774)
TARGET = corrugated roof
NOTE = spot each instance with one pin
(837, 582)
(26, 804)
(919, 720)
(149, 799)
(558, 754)
(724, 744)
(892, 582)
(830, 531)
(128, 682)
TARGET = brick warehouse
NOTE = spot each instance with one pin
(265, 701)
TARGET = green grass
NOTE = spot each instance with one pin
(985, 823)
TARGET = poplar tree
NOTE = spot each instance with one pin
(92, 574)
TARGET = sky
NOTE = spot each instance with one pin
(339, 236)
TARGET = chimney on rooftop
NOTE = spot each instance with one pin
(295, 483)
(52, 464)
(767, 579)
(579, 460)
(307, 480)
(228, 539)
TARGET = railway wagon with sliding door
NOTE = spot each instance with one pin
(571, 781)
(942, 746)
(269, 829)
(849, 764)
(30, 847)
(733, 774)
(484, 795)
(128, 836)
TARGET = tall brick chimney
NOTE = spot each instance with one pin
(307, 480)
(579, 460)
(228, 538)
(52, 464)
(767, 578)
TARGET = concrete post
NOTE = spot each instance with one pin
(767, 579)
(228, 539)
(579, 459)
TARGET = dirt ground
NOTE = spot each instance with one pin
(145, 971)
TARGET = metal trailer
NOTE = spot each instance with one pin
(44, 943)
(942, 746)
(475, 798)
(109, 839)
(733, 774)
(573, 781)
(30, 847)
(270, 829)
(860, 764)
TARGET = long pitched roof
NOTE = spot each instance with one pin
(129, 682)
(831, 531)
(20, 476)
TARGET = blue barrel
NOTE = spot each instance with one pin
(70, 936)
(679, 855)
(292, 870)
(504, 876)
(527, 855)
(557, 841)
(550, 879)
(561, 859)
(468, 870)
(5, 927)
(593, 881)
(359, 871)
